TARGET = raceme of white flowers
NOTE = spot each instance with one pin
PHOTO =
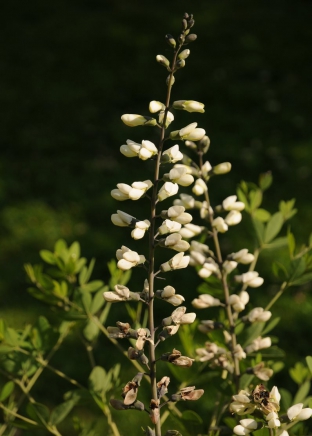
(174, 228)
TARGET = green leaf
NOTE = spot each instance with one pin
(93, 286)
(262, 215)
(6, 349)
(91, 331)
(291, 243)
(60, 246)
(279, 270)
(299, 373)
(277, 243)
(242, 197)
(265, 180)
(255, 199)
(97, 379)
(97, 302)
(252, 332)
(86, 272)
(61, 411)
(86, 300)
(38, 412)
(273, 227)
(309, 363)
(305, 278)
(79, 264)
(286, 399)
(245, 381)
(74, 250)
(270, 326)
(47, 256)
(259, 228)
(190, 415)
(6, 390)
(302, 392)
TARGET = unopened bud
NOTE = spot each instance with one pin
(180, 63)
(170, 80)
(170, 40)
(184, 54)
(184, 24)
(163, 61)
(190, 38)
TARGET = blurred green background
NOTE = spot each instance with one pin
(71, 68)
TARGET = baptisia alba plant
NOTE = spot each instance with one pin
(237, 337)
(223, 344)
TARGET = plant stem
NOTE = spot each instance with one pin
(228, 308)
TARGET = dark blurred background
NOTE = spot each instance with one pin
(71, 68)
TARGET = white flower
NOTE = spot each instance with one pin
(205, 169)
(156, 106)
(273, 421)
(169, 226)
(242, 256)
(168, 294)
(190, 230)
(258, 344)
(175, 242)
(131, 149)
(204, 301)
(209, 267)
(258, 314)
(239, 301)
(198, 253)
(200, 187)
(246, 426)
(122, 219)
(230, 203)
(233, 217)
(133, 120)
(169, 118)
(190, 132)
(220, 225)
(180, 176)
(261, 372)
(228, 266)
(147, 150)
(172, 155)
(122, 293)
(238, 352)
(222, 168)
(186, 201)
(140, 229)
(167, 190)
(250, 278)
(178, 261)
(128, 259)
(189, 106)
(274, 394)
(133, 192)
(297, 413)
(177, 214)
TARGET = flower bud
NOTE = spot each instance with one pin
(167, 190)
(171, 41)
(171, 155)
(163, 61)
(133, 120)
(233, 217)
(190, 38)
(222, 168)
(189, 106)
(178, 261)
(220, 225)
(156, 106)
(184, 54)
(180, 64)
(200, 187)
